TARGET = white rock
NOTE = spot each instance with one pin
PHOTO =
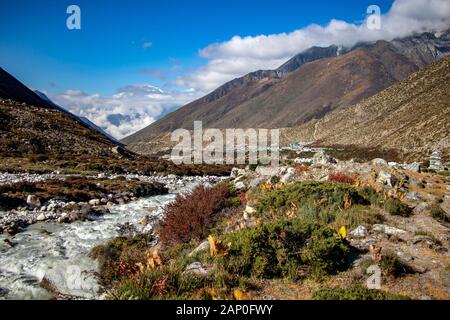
(385, 178)
(270, 171)
(359, 232)
(204, 246)
(379, 162)
(250, 210)
(94, 202)
(196, 268)
(392, 231)
(41, 217)
(240, 185)
(33, 201)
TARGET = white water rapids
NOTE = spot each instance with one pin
(59, 252)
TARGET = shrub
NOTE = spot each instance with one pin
(439, 214)
(392, 266)
(319, 194)
(325, 253)
(341, 177)
(188, 217)
(300, 168)
(396, 208)
(121, 251)
(283, 247)
(274, 179)
(355, 292)
(370, 195)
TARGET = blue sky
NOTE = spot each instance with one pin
(170, 52)
(108, 52)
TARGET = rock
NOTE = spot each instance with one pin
(197, 269)
(33, 201)
(415, 166)
(421, 207)
(379, 162)
(235, 172)
(94, 202)
(320, 158)
(392, 231)
(256, 182)
(204, 246)
(250, 210)
(270, 171)
(359, 232)
(385, 178)
(41, 217)
(240, 185)
(436, 162)
(288, 176)
(412, 196)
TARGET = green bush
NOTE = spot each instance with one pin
(281, 248)
(396, 208)
(439, 214)
(392, 266)
(317, 193)
(355, 292)
(325, 253)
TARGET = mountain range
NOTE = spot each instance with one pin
(306, 88)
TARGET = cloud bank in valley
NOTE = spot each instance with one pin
(136, 106)
(132, 108)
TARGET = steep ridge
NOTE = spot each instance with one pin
(411, 117)
(307, 87)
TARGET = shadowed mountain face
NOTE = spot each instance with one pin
(31, 124)
(411, 117)
(307, 87)
(12, 89)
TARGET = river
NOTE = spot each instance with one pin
(60, 252)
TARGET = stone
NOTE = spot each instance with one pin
(436, 161)
(94, 202)
(33, 201)
(391, 231)
(41, 217)
(240, 185)
(379, 162)
(320, 158)
(204, 246)
(413, 196)
(250, 210)
(197, 269)
(415, 166)
(288, 176)
(385, 178)
(421, 207)
(270, 171)
(256, 182)
(359, 232)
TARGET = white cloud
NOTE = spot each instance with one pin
(241, 55)
(146, 45)
(137, 106)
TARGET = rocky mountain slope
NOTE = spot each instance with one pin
(411, 116)
(30, 125)
(13, 89)
(307, 87)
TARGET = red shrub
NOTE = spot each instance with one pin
(341, 177)
(243, 198)
(189, 215)
(300, 168)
